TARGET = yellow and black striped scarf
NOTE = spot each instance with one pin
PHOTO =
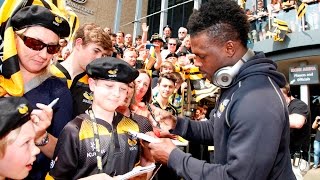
(11, 82)
(279, 30)
(199, 86)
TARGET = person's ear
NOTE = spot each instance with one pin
(230, 48)
(78, 43)
(92, 84)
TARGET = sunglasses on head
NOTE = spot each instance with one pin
(38, 45)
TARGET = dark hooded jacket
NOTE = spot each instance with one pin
(249, 129)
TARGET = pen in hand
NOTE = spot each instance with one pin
(36, 121)
(54, 102)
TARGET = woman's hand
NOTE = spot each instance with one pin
(42, 120)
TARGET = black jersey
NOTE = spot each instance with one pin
(143, 122)
(300, 138)
(75, 155)
(80, 91)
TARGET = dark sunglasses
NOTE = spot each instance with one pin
(172, 44)
(38, 45)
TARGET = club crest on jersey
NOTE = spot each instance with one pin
(132, 142)
(88, 97)
(222, 107)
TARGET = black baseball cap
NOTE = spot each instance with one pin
(110, 68)
(172, 55)
(156, 36)
(37, 15)
(15, 111)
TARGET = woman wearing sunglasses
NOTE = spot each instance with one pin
(37, 33)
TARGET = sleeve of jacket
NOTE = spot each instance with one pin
(191, 130)
(66, 153)
(253, 140)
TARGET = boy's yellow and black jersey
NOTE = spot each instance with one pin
(75, 154)
(80, 91)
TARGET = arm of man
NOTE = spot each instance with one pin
(201, 132)
(298, 113)
(297, 120)
(145, 30)
(252, 146)
(197, 131)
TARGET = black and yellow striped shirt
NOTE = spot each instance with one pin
(79, 87)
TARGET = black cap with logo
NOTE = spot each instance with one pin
(15, 111)
(110, 68)
(41, 16)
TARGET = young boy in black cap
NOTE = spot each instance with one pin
(96, 142)
(17, 134)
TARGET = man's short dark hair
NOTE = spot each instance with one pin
(168, 76)
(139, 37)
(113, 35)
(221, 20)
(167, 26)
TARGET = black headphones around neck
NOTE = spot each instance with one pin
(223, 77)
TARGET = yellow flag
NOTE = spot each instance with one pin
(302, 9)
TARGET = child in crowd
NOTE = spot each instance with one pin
(176, 99)
(17, 135)
(166, 67)
(96, 142)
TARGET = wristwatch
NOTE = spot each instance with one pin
(44, 141)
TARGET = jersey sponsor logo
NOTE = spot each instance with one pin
(91, 154)
(93, 146)
(93, 150)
